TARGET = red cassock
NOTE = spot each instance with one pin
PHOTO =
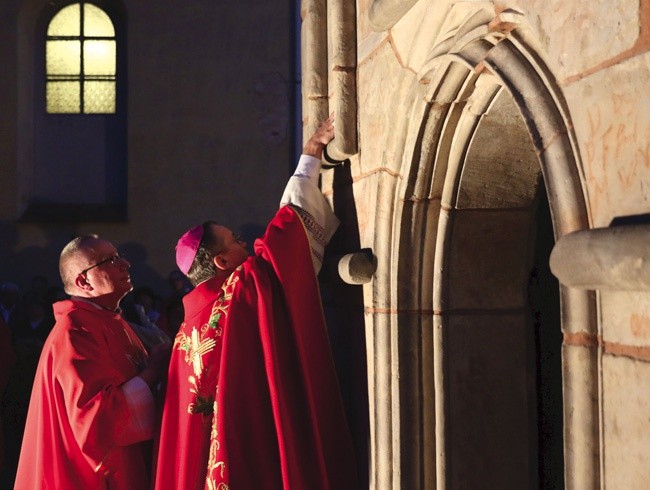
(81, 432)
(253, 399)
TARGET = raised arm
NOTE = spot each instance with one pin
(302, 192)
(321, 137)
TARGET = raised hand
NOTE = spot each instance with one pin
(321, 137)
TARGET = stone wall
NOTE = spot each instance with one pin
(447, 181)
(210, 131)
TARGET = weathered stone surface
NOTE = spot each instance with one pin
(626, 405)
(581, 420)
(488, 267)
(487, 397)
(365, 191)
(314, 67)
(577, 36)
(610, 111)
(381, 83)
(626, 318)
(410, 95)
(415, 33)
(615, 258)
(385, 13)
(363, 21)
(370, 43)
(383, 295)
(342, 77)
(501, 167)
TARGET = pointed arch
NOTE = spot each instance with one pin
(466, 77)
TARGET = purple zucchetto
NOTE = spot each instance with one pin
(186, 248)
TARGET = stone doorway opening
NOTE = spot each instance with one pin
(484, 153)
(499, 309)
(479, 328)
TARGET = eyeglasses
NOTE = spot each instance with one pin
(114, 259)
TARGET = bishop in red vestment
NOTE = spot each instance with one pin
(92, 410)
(252, 398)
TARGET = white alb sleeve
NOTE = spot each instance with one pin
(143, 408)
(303, 194)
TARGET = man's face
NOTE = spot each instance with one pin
(233, 251)
(111, 278)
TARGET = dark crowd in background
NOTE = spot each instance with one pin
(26, 318)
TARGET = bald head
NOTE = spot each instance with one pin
(92, 268)
(74, 258)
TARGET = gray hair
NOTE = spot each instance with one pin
(70, 252)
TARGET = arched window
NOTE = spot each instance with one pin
(79, 158)
(80, 61)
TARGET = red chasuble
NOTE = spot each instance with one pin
(80, 431)
(277, 420)
(189, 401)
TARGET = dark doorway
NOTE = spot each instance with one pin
(544, 303)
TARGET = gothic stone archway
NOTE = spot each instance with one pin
(464, 243)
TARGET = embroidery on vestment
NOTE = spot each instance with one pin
(316, 231)
(216, 469)
(200, 342)
(215, 477)
(313, 227)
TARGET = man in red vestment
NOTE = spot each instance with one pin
(252, 398)
(92, 410)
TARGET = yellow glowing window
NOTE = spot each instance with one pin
(80, 61)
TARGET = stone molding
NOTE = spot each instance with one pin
(383, 14)
(486, 45)
(476, 49)
(610, 259)
(314, 65)
(342, 61)
(329, 72)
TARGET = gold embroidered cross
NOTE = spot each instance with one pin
(198, 349)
